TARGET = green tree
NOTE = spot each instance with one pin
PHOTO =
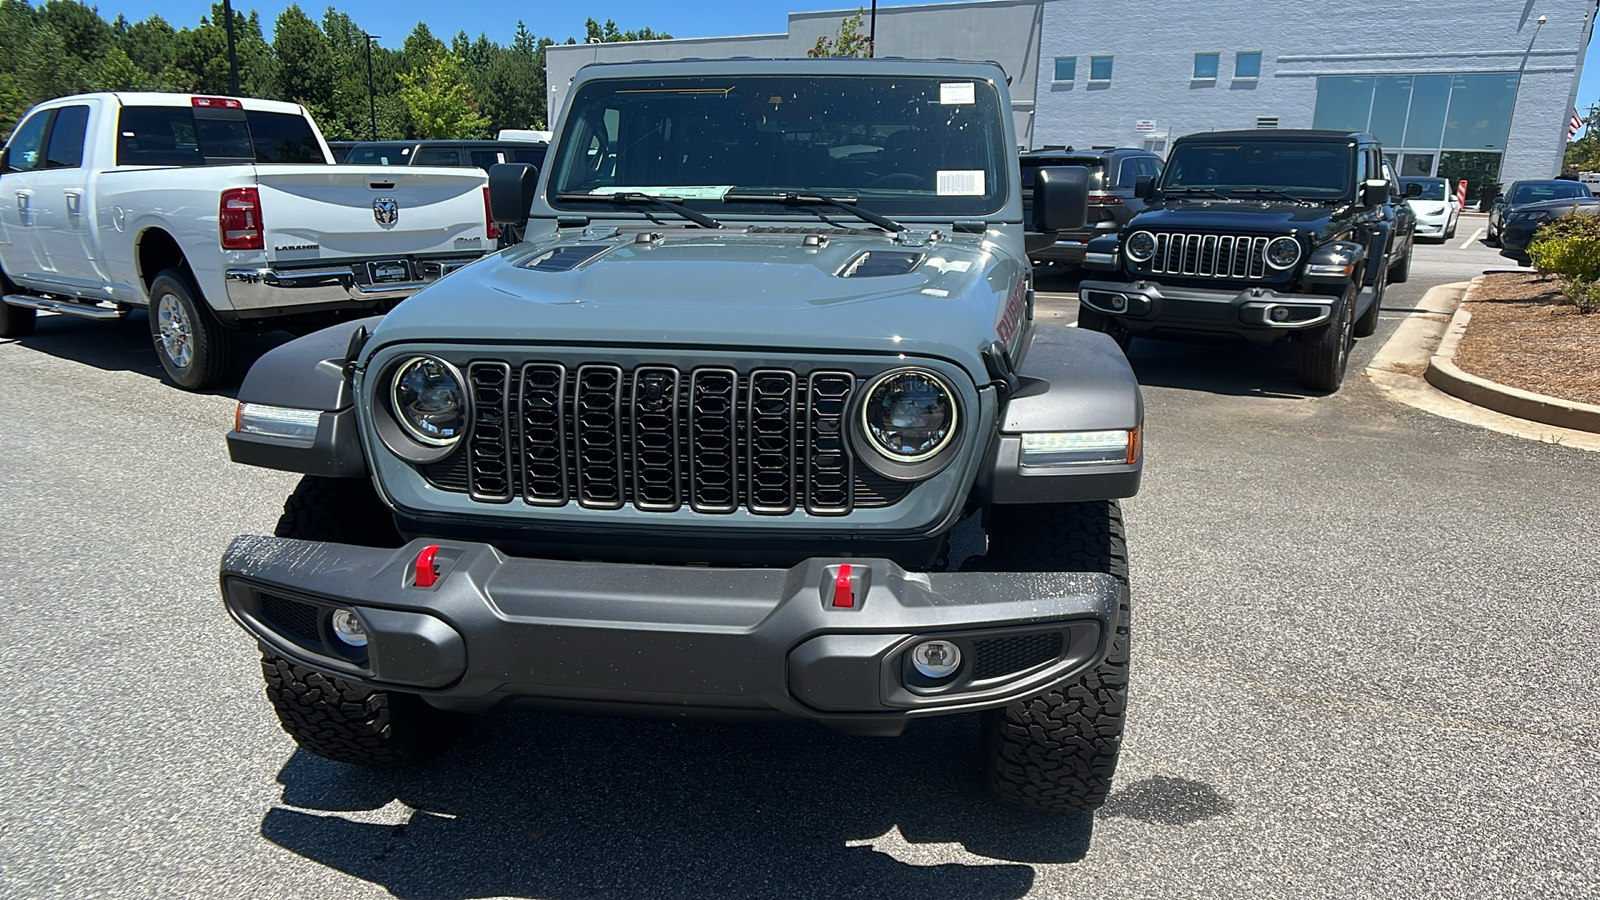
(305, 65)
(848, 42)
(440, 102)
(609, 33)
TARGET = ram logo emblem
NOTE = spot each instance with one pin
(386, 210)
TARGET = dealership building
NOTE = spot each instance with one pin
(1474, 89)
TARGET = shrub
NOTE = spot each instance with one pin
(1569, 248)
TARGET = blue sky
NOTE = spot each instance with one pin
(393, 19)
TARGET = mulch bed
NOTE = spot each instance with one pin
(1522, 334)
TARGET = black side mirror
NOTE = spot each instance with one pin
(1413, 191)
(1060, 198)
(1376, 192)
(1144, 187)
(512, 187)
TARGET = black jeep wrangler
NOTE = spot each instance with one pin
(1257, 236)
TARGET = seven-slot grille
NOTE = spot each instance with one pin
(659, 438)
(1210, 256)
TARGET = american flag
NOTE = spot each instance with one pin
(1574, 125)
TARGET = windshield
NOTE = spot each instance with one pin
(1548, 190)
(1432, 188)
(380, 155)
(1307, 171)
(903, 146)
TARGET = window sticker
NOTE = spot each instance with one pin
(960, 183)
(957, 93)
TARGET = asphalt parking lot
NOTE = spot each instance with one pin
(1363, 666)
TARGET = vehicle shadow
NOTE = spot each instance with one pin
(1235, 370)
(124, 345)
(532, 805)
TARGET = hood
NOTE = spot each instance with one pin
(745, 288)
(1227, 216)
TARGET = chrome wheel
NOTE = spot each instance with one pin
(175, 330)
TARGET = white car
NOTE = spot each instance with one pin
(1435, 205)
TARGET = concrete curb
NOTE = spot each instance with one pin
(1443, 374)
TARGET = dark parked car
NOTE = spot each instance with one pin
(341, 149)
(482, 154)
(1112, 203)
(1522, 193)
(1521, 223)
(1255, 237)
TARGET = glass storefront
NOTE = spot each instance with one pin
(1453, 126)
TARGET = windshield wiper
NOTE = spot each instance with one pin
(797, 198)
(637, 198)
(1269, 191)
(1179, 191)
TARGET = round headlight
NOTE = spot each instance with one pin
(1283, 252)
(1141, 246)
(430, 401)
(909, 416)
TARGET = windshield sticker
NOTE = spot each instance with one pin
(682, 192)
(957, 93)
(960, 183)
(946, 266)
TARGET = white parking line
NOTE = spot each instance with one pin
(1471, 240)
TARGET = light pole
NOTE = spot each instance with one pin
(233, 59)
(872, 31)
(372, 97)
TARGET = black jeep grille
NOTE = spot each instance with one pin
(658, 438)
(1209, 256)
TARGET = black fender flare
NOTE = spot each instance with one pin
(1068, 379)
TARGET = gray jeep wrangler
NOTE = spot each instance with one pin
(754, 422)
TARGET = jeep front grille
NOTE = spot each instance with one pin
(714, 440)
(1209, 256)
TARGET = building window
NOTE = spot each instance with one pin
(1066, 68)
(1247, 65)
(1099, 68)
(1205, 66)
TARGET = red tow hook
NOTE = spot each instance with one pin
(843, 596)
(427, 569)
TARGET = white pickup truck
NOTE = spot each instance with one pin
(217, 214)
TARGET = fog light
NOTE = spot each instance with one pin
(1280, 314)
(349, 628)
(936, 659)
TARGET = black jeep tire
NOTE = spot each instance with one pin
(15, 321)
(333, 718)
(195, 349)
(1401, 271)
(1057, 752)
(1325, 351)
(1094, 320)
(1367, 323)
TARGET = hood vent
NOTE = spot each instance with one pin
(565, 259)
(875, 263)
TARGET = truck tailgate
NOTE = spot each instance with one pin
(334, 212)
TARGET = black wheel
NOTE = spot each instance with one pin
(337, 719)
(1058, 751)
(1450, 232)
(1493, 238)
(1094, 320)
(1325, 352)
(1400, 271)
(15, 321)
(194, 348)
(1367, 323)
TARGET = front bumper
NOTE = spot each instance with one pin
(1149, 308)
(640, 639)
(328, 285)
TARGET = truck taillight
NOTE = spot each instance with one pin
(239, 218)
(488, 217)
(215, 103)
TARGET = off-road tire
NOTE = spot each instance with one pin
(1325, 351)
(211, 348)
(1094, 320)
(15, 321)
(1367, 323)
(350, 723)
(331, 717)
(1400, 272)
(338, 511)
(1057, 752)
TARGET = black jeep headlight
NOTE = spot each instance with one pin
(1141, 246)
(1283, 252)
(429, 399)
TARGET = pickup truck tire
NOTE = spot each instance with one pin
(1094, 320)
(1057, 752)
(328, 716)
(1325, 352)
(195, 349)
